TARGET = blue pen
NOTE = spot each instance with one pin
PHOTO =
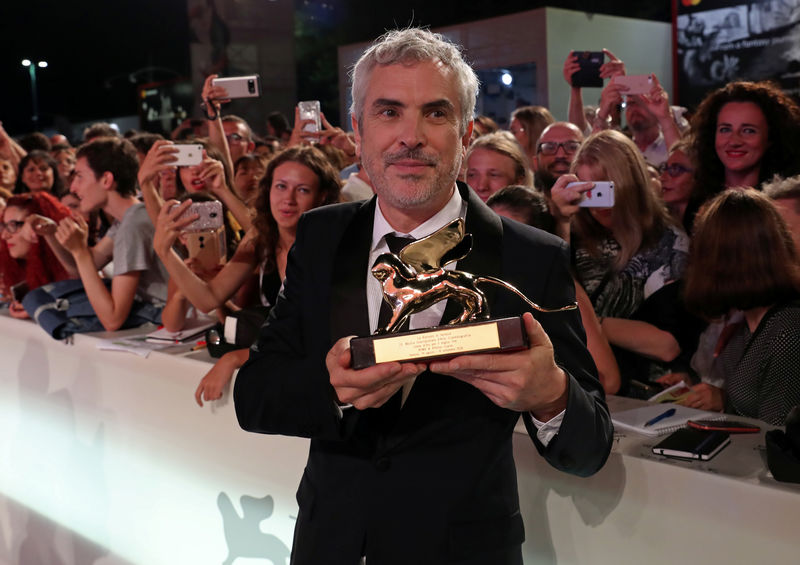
(667, 414)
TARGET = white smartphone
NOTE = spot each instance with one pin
(309, 110)
(601, 196)
(637, 84)
(188, 155)
(240, 87)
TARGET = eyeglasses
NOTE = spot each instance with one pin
(674, 170)
(233, 137)
(11, 226)
(551, 147)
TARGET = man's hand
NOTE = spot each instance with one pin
(73, 234)
(214, 96)
(613, 67)
(656, 101)
(370, 387)
(525, 381)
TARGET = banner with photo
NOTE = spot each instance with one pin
(719, 41)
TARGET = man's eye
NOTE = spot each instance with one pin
(389, 113)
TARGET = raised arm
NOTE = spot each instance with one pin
(204, 295)
(213, 99)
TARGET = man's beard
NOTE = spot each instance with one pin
(425, 187)
(543, 180)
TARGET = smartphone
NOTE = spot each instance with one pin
(601, 196)
(730, 426)
(589, 73)
(19, 290)
(209, 216)
(206, 246)
(637, 84)
(240, 87)
(309, 110)
(188, 155)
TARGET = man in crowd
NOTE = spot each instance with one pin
(412, 462)
(554, 152)
(105, 178)
(239, 136)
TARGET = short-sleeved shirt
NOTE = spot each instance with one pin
(133, 251)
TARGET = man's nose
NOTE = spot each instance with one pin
(412, 134)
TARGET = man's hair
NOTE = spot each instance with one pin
(115, 155)
(408, 47)
(143, 142)
(35, 140)
(99, 129)
(528, 203)
(238, 120)
(780, 188)
(278, 122)
(742, 256)
(504, 143)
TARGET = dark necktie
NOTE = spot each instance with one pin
(395, 243)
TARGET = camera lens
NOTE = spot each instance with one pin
(251, 86)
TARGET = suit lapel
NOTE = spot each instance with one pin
(349, 314)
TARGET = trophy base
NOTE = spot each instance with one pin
(442, 342)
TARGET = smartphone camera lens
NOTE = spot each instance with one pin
(251, 86)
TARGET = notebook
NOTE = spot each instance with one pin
(688, 443)
(634, 420)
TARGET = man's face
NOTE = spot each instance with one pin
(87, 187)
(566, 141)
(238, 141)
(638, 117)
(409, 137)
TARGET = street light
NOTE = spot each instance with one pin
(34, 97)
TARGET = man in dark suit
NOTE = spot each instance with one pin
(413, 463)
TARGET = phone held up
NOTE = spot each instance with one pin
(240, 87)
(188, 154)
(209, 216)
(636, 84)
(589, 73)
(600, 196)
(309, 110)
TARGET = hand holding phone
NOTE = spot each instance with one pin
(588, 73)
(634, 84)
(601, 195)
(310, 110)
(187, 155)
(239, 87)
(209, 216)
(206, 247)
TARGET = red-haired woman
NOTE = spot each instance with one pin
(24, 255)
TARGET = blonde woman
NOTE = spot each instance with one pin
(627, 258)
(494, 161)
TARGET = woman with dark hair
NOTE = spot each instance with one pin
(297, 179)
(38, 171)
(24, 255)
(743, 134)
(743, 258)
(628, 258)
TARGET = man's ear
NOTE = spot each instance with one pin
(107, 180)
(535, 162)
(467, 137)
(356, 134)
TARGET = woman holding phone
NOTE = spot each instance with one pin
(297, 180)
(628, 257)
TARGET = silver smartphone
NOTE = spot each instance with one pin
(600, 196)
(188, 155)
(637, 84)
(240, 87)
(309, 110)
(209, 216)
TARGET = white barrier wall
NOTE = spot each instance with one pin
(105, 459)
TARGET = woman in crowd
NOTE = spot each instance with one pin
(496, 160)
(627, 258)
(24, 255)
(64, 156)
(743, 134)
(743, 259)
(297, 180)
(8, 177)
(248, 172)
(525, 205)
(527, 124)
(677, 180)
(38, 171)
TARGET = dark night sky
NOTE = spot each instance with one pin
(93, 45)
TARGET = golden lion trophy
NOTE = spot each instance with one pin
(416, 279)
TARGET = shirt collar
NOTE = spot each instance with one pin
(455, 207)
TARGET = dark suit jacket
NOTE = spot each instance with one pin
(436, 483)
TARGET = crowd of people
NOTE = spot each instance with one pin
(691, 275)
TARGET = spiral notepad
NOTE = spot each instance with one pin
(634, 420)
